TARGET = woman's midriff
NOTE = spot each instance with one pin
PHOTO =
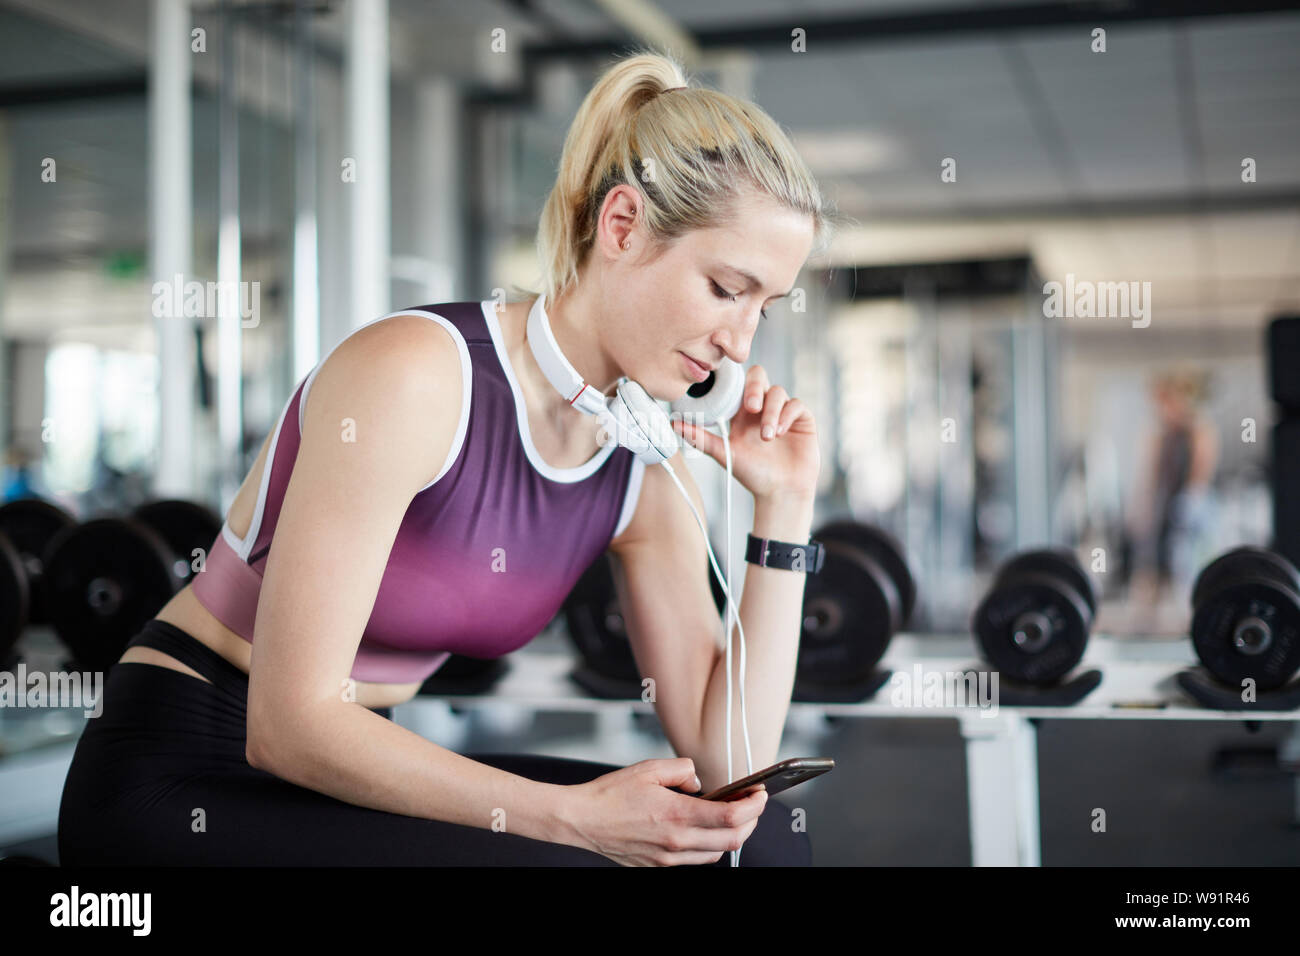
(185, 611)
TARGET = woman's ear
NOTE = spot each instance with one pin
(616, 226)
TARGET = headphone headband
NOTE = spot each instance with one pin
(632, 417)
(559, 372)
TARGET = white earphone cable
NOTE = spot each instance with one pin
(724, 428)
(730, 605)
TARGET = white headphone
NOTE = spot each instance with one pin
(632, 418)
(636, 421)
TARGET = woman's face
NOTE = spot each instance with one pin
(1172, 403)
(692, 299)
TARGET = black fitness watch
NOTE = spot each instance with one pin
(767, 553)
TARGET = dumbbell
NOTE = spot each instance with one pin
(30, 524)
(1033, 623)
(594, 621)
(26, 528)
(104, 579)
(461, 674)
(864, 594)
(1246, 617)
(862, 597)
(15, 598)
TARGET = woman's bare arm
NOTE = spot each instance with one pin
(380, 419)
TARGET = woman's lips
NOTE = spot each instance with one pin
(696, 370)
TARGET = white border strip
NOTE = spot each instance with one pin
(244, 547)
(566, 475)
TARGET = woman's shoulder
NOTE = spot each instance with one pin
(403, 368)
(403, 350)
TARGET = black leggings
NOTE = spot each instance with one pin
(167, 744)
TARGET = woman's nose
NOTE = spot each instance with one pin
(735, 344)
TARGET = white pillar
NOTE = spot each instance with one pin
(367, 145)
(170, 195)
(230, 351)
(1032, 467)
(437, 188)
(333, 242)
(306, 255)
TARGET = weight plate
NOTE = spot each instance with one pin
(14, 598)
(460, 666)
(883, 548)
(595, 623)
(185, 526)
(1244, 561)
(1032, 627)
(460, 674)
(594, 618)
(104, 580)
(1059, 562)
(30, 524)
(850, 611)
(715, 586)
(1249, 628)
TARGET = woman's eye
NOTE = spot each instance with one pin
(722, 293)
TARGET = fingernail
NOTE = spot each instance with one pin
(768, 431)
(753, 404)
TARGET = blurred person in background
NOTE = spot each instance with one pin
(1172, 502)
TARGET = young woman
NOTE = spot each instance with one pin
(428, 491)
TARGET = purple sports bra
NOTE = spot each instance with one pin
(486, 552)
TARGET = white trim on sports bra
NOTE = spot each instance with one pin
(567, 475)
(244, 546)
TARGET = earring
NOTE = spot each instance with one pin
(627, 244)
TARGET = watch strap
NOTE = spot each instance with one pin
(770, 553)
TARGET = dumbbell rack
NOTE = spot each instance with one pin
(1139, 683)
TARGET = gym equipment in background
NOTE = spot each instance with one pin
(594, 621)
(1033, 627)
(15, 600)
(30, 524)
(1284, 448)
(605, 667)
(1246, 628)
(461, 674)
(188, 528)
(851, 610)
(104, 579)
(26, 527)
(863, 596)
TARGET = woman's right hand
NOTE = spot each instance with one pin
(633, 818)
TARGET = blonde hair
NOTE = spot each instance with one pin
(689, 152)
(1190, 383)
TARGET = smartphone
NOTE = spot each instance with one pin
(778, 777)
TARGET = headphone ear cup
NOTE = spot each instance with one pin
(646, 429)
(717, 399)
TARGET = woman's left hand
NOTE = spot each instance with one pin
(787, 463)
